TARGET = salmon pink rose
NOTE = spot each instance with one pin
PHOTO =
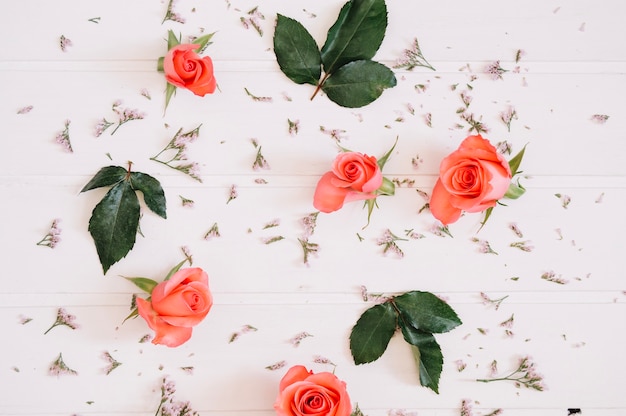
(354, 176)
(303, 393)
(471, 179)
(176, 305)
(184, 68)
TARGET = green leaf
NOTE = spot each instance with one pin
(160, 64)
(172, 40)
(427, 355)
(358, 83)
(371, 334)
(488, 212)
(516, 161)
(152, 191)
(426, 312)
(106, 176)
(381, 162)
(133, 314)
(515, 191)
(170, 91)
(143, 283)
(203, 41)
(175, 269)
(387, 187)
(296, 51)
(356, 34)
(113, 224)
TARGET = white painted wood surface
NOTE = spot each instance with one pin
(574, 67)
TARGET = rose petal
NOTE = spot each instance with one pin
(328, 198)
(165, 334)
(440, 206)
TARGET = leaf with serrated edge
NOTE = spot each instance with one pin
(296, 51)
(426, 312)
(107, 176)
(143, 283)
(427, 355)
(152, 191)
(113, 224)
(358, 83)
(371, 334)
(356, 34)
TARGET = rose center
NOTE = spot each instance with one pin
(352, 171)
(194, 300)
(190, 66)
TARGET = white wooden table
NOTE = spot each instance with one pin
(573, 67)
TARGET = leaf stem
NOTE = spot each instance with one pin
(319, 85)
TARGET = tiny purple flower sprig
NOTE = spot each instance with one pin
(63, 138)
(124, 115)
(63, 319)
(178, 146)
(170, 14)
(525, 375)
(59, 368)
(168, 406)
(52, 238)
(412, 58)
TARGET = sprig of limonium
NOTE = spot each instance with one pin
(124, 115)
(170, 14)
(388, 241)
(168, 406)
(178, 147)
(52, 238)
(63, 138)
(412, 58)
(63, 319)
(58, 368)
(525, 375)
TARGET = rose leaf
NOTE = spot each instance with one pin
(203, 42)
(371, 334)
(113, 224)
(356, 34)
(516, 161)
(426, 312)
(358, 83)
(153, 194)
(296, 51)
(107, 176)
(427, 355)
(143, 283)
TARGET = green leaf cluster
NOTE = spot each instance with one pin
(418, 315)
(350, 77)
(114, 221)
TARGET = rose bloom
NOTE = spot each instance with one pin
(354, 176)
(303, 393)
(176, 305)
(471, 179)
(184, 68)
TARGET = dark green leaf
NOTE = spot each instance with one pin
(427, 354)
(358, 83)
(106, 176)
(426, 312)
(143, 283)
(296, 51)
(113, 224)
(152, 191)
(516, 161)
(372, 332)
(488, 212)
(356, 34)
